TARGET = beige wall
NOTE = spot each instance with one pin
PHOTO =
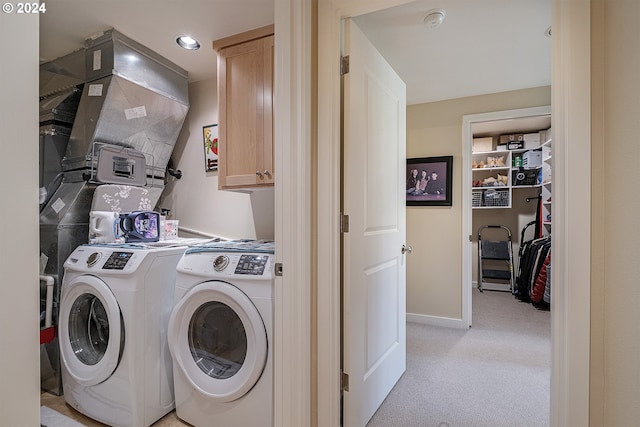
(615, 339)
(194, 199)
(19, 304)
(434, 268)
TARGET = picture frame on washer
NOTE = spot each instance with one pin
(429, 181)
(210, 140)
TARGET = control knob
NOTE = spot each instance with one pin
(220, 263)
(93, 258)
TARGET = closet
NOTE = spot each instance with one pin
(510, 179)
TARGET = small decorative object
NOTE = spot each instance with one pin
(210, 137)
(429, 181)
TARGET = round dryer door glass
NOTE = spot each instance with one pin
(88, 329)
(217, 340)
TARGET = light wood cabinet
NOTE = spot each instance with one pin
(245, 109)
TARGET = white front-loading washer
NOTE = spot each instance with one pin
(220, 334)
(114, 313)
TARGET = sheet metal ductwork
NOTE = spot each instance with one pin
(134, 100)
(109, 113)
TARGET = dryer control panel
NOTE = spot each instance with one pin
(251, 264)
(228, 265)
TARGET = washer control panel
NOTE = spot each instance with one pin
(117, 261)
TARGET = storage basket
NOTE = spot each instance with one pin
(476, 199)
(494, 197)
(525, 177)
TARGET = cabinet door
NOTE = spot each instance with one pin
(245, 114)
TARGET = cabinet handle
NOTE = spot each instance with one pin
(259, 174)
(267, 173)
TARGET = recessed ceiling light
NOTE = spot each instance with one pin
(188, 43)
(434, 18)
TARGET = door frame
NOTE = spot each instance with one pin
(572, 122)
(467, 211)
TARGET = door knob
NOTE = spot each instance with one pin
(406, 249)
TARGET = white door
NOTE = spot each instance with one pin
(374, 350)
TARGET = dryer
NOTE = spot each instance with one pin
(220, 334)
(114, 313)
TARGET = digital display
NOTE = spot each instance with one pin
(252, 264)
(117, 261)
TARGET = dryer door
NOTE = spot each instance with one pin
(91, 330)
(218, 339)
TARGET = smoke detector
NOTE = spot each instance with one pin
(434, 18)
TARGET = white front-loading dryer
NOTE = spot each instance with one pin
(220, 335)
(114, 313)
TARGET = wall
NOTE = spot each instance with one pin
(195, 199)
(434, 268)
(616, 337)
(19, 354)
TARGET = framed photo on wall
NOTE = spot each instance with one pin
(210, 138)
(429, 181)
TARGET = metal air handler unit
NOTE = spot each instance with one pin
(110, 112)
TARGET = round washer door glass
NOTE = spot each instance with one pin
(88, 329)
(217, 340)
(91, 330)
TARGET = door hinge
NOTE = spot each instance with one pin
(344, 223)
(278, 269)
(344, 65)
(344, 381)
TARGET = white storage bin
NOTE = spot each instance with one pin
(531, 140)
(532, 159)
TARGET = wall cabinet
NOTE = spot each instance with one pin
(245, 109)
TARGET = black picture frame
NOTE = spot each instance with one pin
(419, 193)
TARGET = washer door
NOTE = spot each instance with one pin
(218, 340)
(91, 330)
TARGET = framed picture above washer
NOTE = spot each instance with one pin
(210, 139)
(429, 181)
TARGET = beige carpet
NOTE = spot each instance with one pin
(495, 374)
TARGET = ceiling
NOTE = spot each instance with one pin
(483, 46)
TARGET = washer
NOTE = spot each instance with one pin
(220, 334)
(114, 312)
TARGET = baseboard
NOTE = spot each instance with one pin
(446, 322)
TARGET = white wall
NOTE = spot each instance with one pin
(195, 199)
(19, 304)
(434, 269)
